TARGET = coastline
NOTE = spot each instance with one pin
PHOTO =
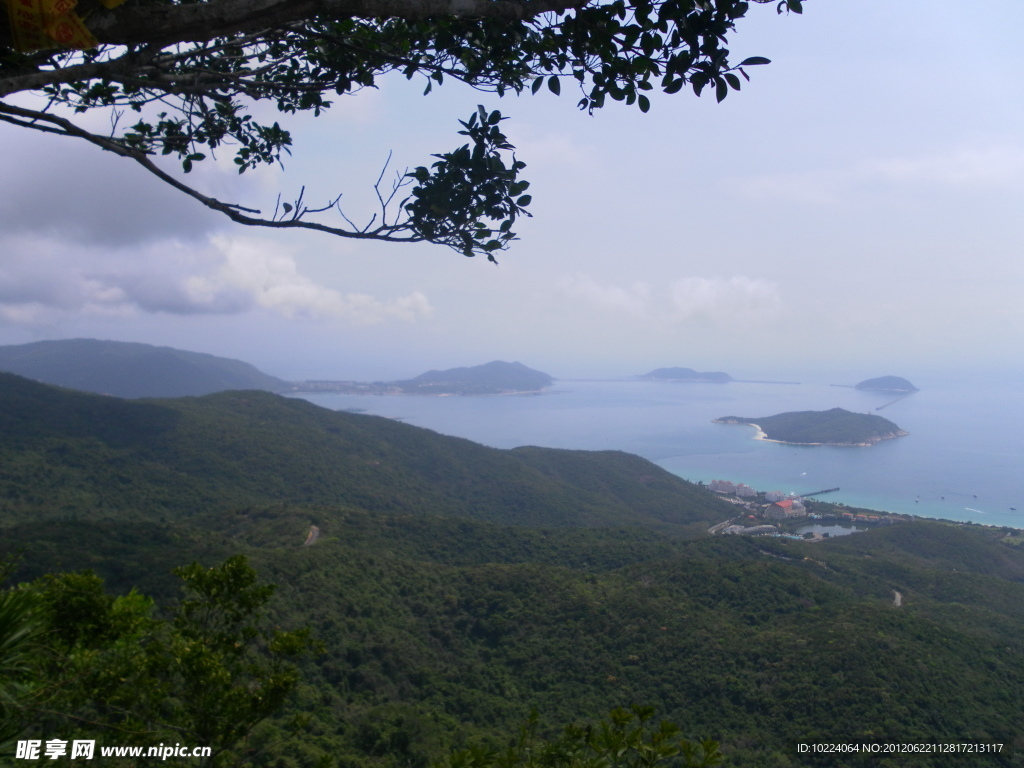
(644, 418)
(952, 510)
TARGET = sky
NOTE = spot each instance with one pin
(856, 210)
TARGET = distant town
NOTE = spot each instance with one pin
(773, 513)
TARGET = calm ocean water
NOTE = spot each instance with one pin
(963, 458)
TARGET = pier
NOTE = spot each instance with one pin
(891, 402)
(818, 493)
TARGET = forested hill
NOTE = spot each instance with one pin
(126, 369)
(69, 453)
(457, 587)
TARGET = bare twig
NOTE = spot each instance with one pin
(27, 118)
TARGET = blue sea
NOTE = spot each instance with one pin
(963, 458)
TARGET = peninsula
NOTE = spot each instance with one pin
(833, 427)
(494, 378)
(687, 374)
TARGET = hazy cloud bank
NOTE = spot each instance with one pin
(43, 280)
(729, 301)
(965, 168)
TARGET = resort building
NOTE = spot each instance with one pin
(782, 510)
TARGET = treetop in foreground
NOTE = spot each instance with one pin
(89, 665)
(180, 79)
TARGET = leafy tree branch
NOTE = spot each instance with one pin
(190, 73)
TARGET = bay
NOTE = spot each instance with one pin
(962, 460)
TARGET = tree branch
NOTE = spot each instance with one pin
(47, 123)
(199, 22)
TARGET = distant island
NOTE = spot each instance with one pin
(131, 370)
(887, 384)
(833, 427)
(686, 374)
(494, 378)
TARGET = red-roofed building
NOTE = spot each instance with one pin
(780, 510)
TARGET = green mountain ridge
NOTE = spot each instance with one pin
(73, 453)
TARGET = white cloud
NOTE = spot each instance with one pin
(43, 280)
(991, 167)
(730, 301)
(270, 278)
(545, 148)
(635, 299)
(968, 168)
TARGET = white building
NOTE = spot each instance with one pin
(723, 486)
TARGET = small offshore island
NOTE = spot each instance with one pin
(688, 375)
(833, 427)
(887, 384)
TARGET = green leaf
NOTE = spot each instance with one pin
(554, 86)
(644, 103)
(537, 84)
(755, 61)
(721, 90)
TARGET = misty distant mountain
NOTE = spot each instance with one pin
(887, 384)
(131, 370)
(496, 377)
(686, 374)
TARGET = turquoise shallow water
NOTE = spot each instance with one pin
(963, 458)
